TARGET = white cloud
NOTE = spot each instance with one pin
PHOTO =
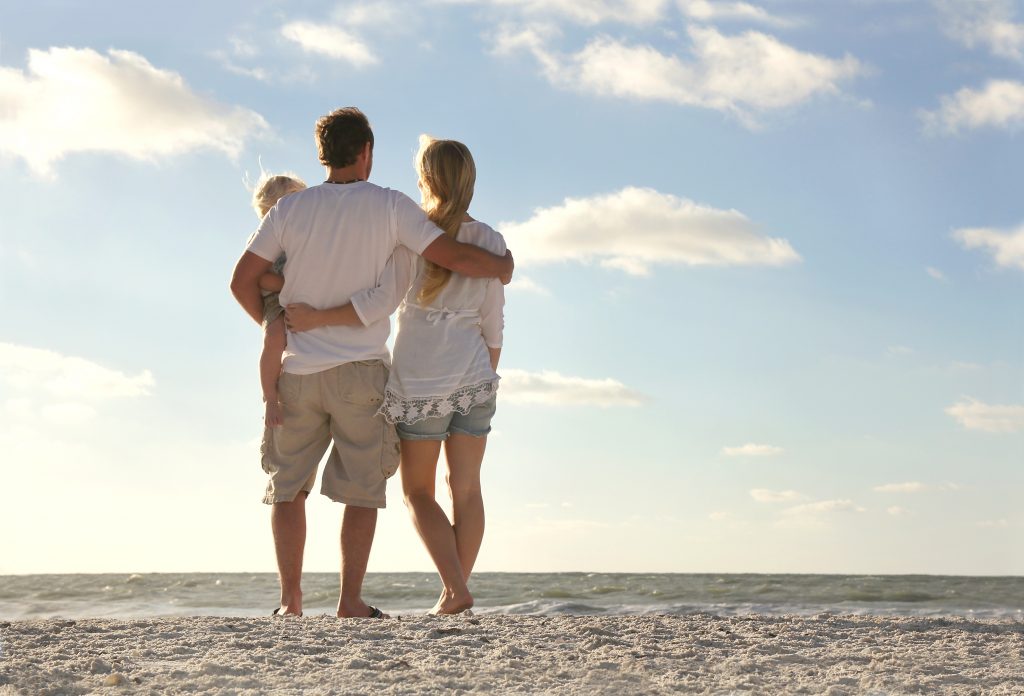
(331, 41)
(719, 10)
(740, 75)
(987, 23)
(1000, 104)
(752, 450)
(36, 371)
(907, 487)
(993, 524)
(896, 511)
(1006, 246)
(935, 273)
(47, 387)
(587, 12)
(71, 100)
(900, 350)
(662, 229)
(824, 507)
(375, 14)
(552, 388)
(763, 495)
(526, 284)
(914, 487)
(991, 418)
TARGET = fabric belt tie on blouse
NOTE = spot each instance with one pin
(436, 316)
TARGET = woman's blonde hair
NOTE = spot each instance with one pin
(447, 177)
(270, 189)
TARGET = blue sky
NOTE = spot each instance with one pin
(769, 266)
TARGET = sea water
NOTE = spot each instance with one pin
(255, 594)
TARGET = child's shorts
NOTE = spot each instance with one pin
(476, 423)
(272, 308)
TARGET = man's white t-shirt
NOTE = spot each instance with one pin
(338, 239)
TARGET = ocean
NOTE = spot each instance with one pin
(606, 594)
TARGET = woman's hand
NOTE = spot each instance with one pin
(301, 317)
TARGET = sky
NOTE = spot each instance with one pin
(767, 307)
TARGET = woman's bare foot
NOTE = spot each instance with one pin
(450, 603)
(274, 415)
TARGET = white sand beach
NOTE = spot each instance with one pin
(699, 654)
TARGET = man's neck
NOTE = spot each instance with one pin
(346, 174)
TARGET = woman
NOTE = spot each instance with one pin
(443, 382)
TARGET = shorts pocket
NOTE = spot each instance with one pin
(362, 383)
(390, 451)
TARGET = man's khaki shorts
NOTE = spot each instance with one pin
(339, 404)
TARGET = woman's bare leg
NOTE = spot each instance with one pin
(465, 454)
(274, 342)
(419, 467)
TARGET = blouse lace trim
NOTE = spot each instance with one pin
(404, 409)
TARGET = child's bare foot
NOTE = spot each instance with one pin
(274, 416)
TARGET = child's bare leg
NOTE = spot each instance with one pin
(274, 342)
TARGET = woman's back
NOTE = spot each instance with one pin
(441, 361)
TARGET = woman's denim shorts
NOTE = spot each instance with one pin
(476, 423)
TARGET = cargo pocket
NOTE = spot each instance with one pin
(265, 446)
(390, 451)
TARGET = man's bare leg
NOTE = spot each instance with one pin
(288, 520)
(358, 525)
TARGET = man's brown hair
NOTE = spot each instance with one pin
(341, 135)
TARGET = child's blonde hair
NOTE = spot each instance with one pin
(447, 177)
(270, 189)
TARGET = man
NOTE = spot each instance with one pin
(338, 237)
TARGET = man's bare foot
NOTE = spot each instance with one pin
(274, 415)
(359, 610)
(451, 603)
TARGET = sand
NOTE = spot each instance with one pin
(698, 654)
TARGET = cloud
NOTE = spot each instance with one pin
(822, 507)
(763, 495)
(47, 387)
(330, 41)
(907, 487)
(373, 14)
(915, 487)
(740, 75)
(662, 229)
(526, 284)
(1000, 104)
(716, 11)
(71, 100)
(586, 12)
(993, 524)
(900, 350)
(975, 415)
(987, 23)
(552, 388)
(897, 511)
(1006, 247)
(935, 273)
(752, 450)
(39, 371)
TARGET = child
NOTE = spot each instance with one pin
(269, 190)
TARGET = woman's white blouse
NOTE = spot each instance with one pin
(441, 363)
